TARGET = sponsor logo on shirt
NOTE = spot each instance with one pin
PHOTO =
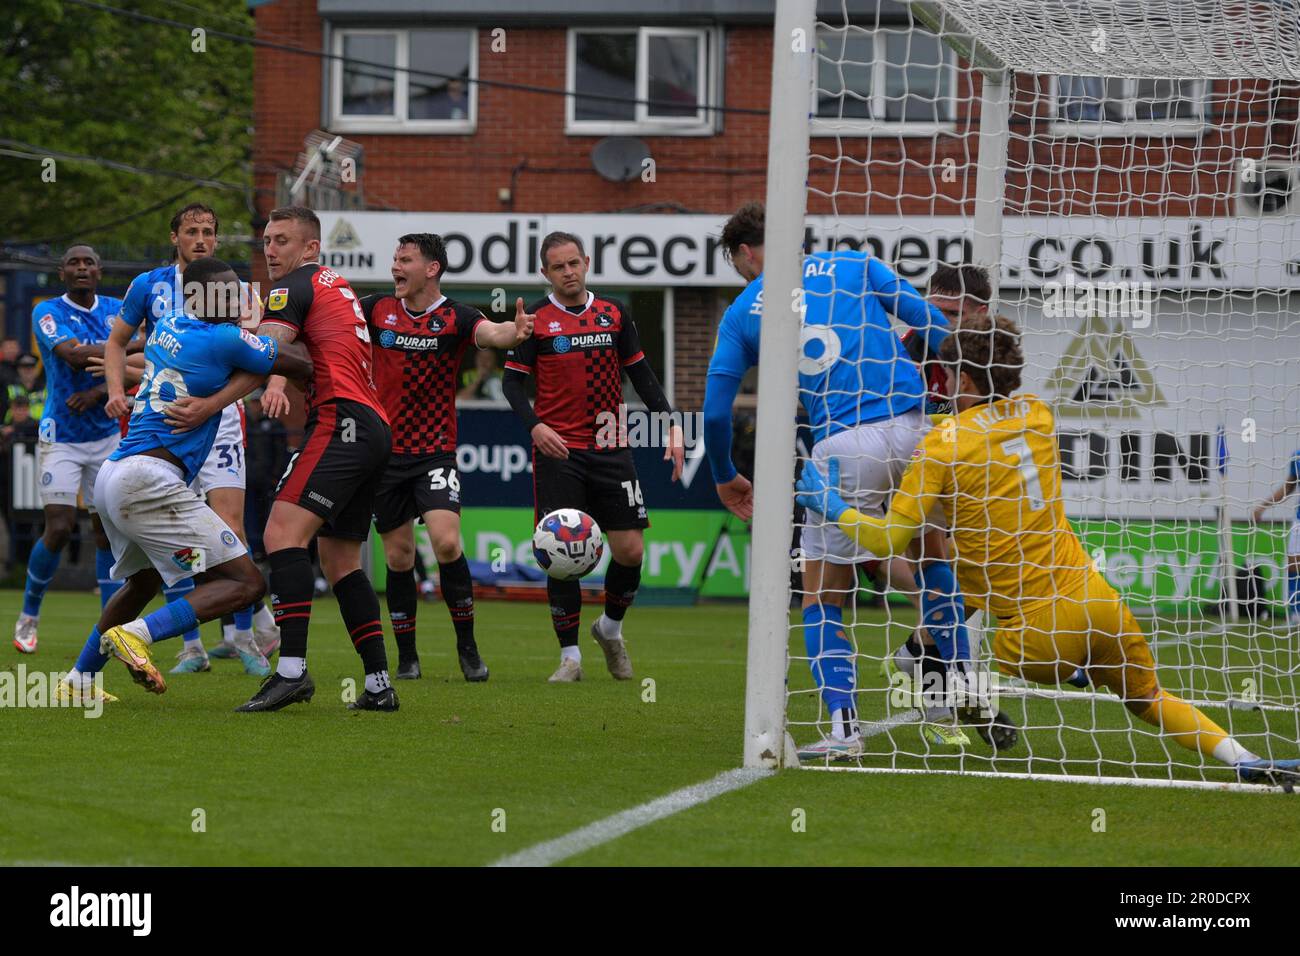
(561, 344)
(591, 340)
(553, 327)
(390, 319)
(277, 300)
(252, 341)
(389, 339)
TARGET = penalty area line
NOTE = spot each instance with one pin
(621, 824)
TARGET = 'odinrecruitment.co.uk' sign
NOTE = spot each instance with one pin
(671, 250)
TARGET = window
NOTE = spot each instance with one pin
(873, 81)
(374, 92)
(1119, 105)
(671, 71)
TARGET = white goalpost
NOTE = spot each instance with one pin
(1128, 174)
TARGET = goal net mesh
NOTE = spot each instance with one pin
(1134, 193)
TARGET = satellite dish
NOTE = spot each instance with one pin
(619, 159)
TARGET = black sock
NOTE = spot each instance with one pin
(566, 608)
(914, 645)
(621, 582)
(458, 591)
(292, 586)
(402, 605)
(359, 606)
(934, 678)
(227, 620)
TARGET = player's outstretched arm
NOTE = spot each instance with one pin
(900, 299)
(293, 361)
(115, 368)
(882, 536)
(505, 335)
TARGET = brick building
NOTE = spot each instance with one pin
(471, 154)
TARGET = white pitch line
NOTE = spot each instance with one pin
(621, 824)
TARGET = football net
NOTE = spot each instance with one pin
(1127, 173)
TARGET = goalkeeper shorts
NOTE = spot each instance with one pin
(1089, 626)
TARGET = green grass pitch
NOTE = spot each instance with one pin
(317, 784)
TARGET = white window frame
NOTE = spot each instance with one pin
(1130, 126)
(704, 123)
(829, 126)
(397, 122)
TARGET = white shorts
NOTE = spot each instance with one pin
(1293, 542)
(66, 468)
(872, 459)
(152, 518)
(224, 467)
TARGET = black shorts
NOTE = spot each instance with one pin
(338, 468)
(414, 484)
(602, 483)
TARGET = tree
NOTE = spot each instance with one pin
(87, 82)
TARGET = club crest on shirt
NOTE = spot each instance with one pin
(277, 300)
(436, 324)
(604, 320)
(48, 325)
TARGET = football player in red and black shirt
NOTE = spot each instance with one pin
(329, 487)
(956, 291)
(582, 344)
(419, 337)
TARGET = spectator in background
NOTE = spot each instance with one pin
(30, 384)
(8, 361)
(20, 428)
(484, 379)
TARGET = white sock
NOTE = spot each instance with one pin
(228, 633)
(377, 681)
(244, 638)
(194, 644)
(1232, 753)
(291, 667)
(844, 723)
(75, 678)
(263, 618)
(140, 629)
(24, 616)
(609, 628)
(571, 654)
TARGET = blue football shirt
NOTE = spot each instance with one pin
(60, 320)
(186, 356)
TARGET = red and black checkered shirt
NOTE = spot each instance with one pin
(416, 358)
(578, 356)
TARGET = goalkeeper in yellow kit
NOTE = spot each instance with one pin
(994, 470)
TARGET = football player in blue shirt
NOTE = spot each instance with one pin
(75, 433)
(865, 401)
(161, 531)
(1289, 486)
(222, 479)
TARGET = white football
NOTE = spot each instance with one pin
(567, 544)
